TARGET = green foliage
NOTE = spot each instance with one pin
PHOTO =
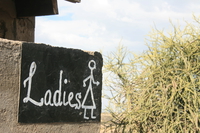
(157, 91)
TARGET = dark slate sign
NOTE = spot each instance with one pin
(59, 85)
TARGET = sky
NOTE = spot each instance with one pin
(101, 25)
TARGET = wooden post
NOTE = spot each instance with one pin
(12, 27)
(17, 17)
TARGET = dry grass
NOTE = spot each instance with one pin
(157, 91)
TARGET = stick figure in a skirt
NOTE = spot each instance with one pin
(92, 66)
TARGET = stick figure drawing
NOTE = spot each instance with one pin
(89, 92)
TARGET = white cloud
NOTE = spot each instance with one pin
(97, 24)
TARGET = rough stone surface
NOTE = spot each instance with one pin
(10, 64)
(14, 28)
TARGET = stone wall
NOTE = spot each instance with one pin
(10, 61)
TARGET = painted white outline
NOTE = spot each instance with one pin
(91, 80)
(29, 80)
(48, 96)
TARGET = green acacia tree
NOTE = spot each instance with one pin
(159, 90)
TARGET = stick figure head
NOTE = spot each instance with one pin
(92, 65)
